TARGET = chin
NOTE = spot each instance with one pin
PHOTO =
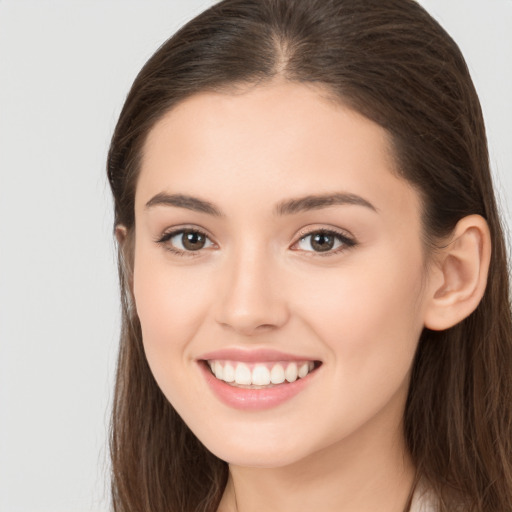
(270, 452)
(270, 459)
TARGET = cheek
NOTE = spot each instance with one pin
(370, 316)
(171, 304)
(369, 320)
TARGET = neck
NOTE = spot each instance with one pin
(369, 471)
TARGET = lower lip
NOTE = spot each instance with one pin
(254, 399)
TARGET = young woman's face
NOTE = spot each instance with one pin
(275, 242)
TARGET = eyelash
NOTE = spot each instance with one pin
(346, 241)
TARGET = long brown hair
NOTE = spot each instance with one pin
(390, 61)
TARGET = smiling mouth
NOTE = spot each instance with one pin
(260, 375)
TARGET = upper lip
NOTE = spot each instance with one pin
(253, 355)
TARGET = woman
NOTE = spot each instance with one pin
(314, 279)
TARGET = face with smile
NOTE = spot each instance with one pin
(276, 249)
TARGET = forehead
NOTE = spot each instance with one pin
(266, 142)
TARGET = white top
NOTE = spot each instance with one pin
(423, 500)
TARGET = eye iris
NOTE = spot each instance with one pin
(193, 241)
(322, 242)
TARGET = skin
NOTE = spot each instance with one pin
(337, 445)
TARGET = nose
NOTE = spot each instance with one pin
(251, 300)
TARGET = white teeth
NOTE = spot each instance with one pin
(229, 373)
(217, 369)
(277, 374)
(261, 374)
(243, 374)
(303, 370)
(291, 372)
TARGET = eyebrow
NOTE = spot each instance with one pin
(315, 202)
(184, 201)
(287, 207)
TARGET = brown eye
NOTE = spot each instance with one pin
(185, 241)
(324, 241)
(192, 240)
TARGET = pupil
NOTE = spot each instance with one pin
(193, 241)
(322, 242)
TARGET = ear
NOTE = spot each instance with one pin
(459, 275)
(125, 241)
(120, 232)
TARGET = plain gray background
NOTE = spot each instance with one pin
(65, 69)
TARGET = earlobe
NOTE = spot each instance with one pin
(460, 275)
